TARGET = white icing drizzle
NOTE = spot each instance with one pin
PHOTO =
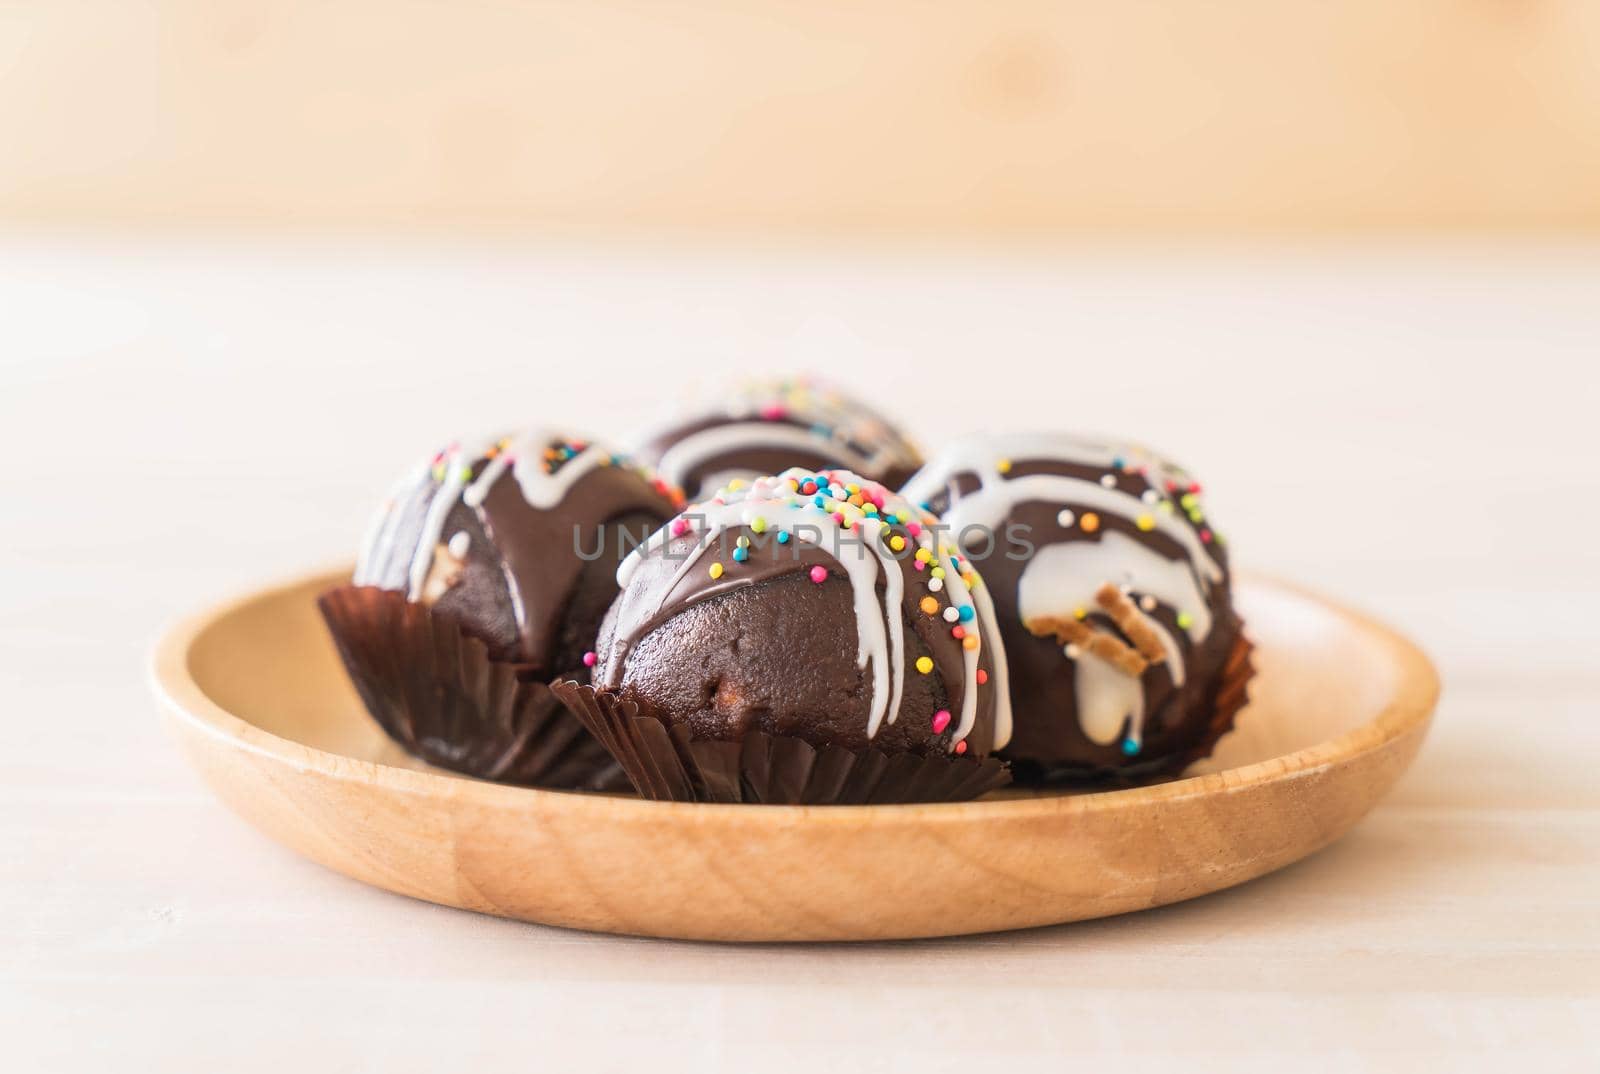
(990, 625)
(540, 488)
(380, 530)
(432, 526)
(800, 414)
(680, 460)
(863, 554)
(998, 497)
(1063, 578)
(523, 456)
(1107, 699)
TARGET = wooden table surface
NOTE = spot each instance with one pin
(1410, 429)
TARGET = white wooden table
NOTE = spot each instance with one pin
(1411, 430)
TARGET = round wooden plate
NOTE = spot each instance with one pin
(255, 695)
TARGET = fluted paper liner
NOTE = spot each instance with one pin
(1232, 694)
(665, 763)
(435, 690)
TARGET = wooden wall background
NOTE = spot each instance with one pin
(1028, 117)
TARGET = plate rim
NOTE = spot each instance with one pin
(180, 696)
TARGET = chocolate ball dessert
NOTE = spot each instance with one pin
(485, 575)
(768, 426)
(800, 638)
(1127, 659)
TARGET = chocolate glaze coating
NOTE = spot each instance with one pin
(1048, 742)
(755, 458)
(522, 586)
(779, 655)
(765, 428)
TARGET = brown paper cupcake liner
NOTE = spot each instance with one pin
(435, 690)
(1232, 694)
(665, 763)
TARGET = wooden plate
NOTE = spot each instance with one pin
(254, 694)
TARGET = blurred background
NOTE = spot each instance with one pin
(1035, 119)
(1341, 259)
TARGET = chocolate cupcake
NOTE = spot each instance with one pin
(485, 575)
(1127, 659)
(802, 638)
(768, 426)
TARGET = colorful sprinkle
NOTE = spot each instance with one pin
(590, 659)
(783, 536)
(928, 605)
(716, 570)
(1146, 523)
(941, 720)
(961, 747)
(924, 664)
(819, 574)
(741, 554)
(1065, 519)
(680, 526)
(1130, 746)
(1185, 620)
(966, 613)
(1003, 466)
(951, 615)
(1090, 522)
(970, 641)
(898, 543)
(983, 677)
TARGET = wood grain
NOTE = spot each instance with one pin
(1031, 118)
(261, 709)
(146, 927)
